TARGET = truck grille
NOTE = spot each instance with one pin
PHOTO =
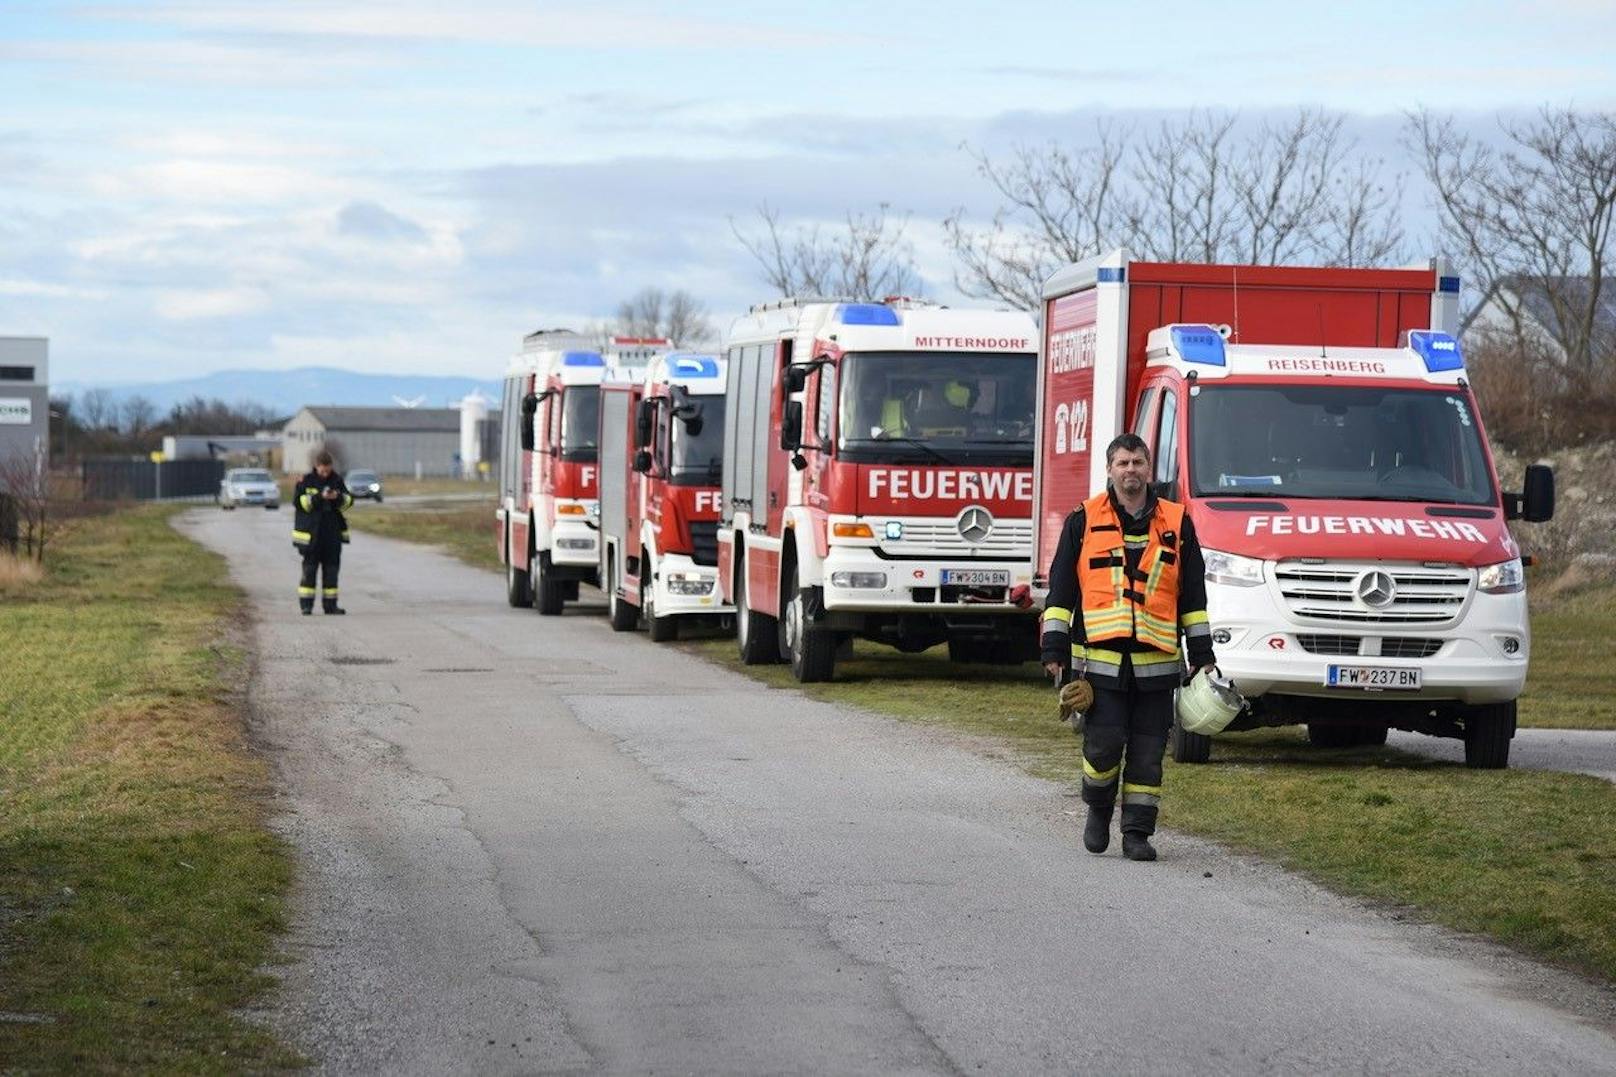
(1390, 646)
(704, 542)
(1009, 539)
(1328, 592)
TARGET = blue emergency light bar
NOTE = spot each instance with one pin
(1198, 344)
(1439, 350)
(867, 314)
(693, 366)
(582, 359)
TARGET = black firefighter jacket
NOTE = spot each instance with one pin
(319, 523)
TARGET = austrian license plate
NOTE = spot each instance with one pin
(1393, 677)
(976, 577)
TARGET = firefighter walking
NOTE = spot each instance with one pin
(1126, 581)
(318, 531)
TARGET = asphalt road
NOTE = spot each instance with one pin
(530, 845)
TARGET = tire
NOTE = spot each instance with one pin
(518, 591)
(1189, 747)
(624, 618)
(1373, 736)
(811, 651)
(547, 590)
(1487, 733)
(966, 651)
(661, 629)
(756, 634)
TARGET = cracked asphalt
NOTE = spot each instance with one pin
(531, 845)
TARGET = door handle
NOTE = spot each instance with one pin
(774, 499)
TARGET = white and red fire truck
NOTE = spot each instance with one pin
(1319, 426)
(661, 451)
(547, 523)
(877, 480)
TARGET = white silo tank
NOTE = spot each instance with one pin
(473, 410)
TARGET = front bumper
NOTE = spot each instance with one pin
(575, 542)
(914, 586)
(684, 587)
(1268, 652)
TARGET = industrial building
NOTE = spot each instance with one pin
(24, 397)
(392, 441)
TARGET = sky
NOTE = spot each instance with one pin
(188, 186)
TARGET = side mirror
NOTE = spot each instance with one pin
(1537, 503)
(1166, 490)
(795, 378)
(791, 426)
(530, 407)
(642, 461)
(644, 423)
(693, 425)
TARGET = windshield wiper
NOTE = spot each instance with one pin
(916, 442)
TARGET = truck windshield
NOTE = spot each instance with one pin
(697, 459)
(1346, 442)
(580, 423)
(937, 408)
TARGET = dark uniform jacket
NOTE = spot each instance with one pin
(1063, 637)
(318, 523)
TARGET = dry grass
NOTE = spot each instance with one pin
(18, 573)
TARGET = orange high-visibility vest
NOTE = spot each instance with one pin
(1117, 604)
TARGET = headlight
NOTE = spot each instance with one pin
(1232, 569)
(867, 580)
(689, 583)
(1504, 578)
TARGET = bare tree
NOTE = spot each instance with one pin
(676, 315)
(137, 415)
(1532, 219)
(25, 485)
(870, 259)
(1196, 188)
(97, 409)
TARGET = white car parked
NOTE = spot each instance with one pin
(248, 486)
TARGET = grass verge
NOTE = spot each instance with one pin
(140, 890)
(1571, 683)
(1527, 857)
(463, 529)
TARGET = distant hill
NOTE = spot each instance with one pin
(285, 391)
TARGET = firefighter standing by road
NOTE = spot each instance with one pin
(1126, 580)
(319, 530)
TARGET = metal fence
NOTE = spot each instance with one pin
(123, 479)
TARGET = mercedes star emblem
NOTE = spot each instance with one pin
(974, 524)
(1376, 589)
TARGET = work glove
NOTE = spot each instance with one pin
(1075, 699)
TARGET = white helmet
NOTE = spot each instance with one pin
(1208, 704)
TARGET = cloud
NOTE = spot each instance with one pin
(367, 220)
(1071, 74)
(47, 290)
(191, 181)
(613, 27)
(181, 306)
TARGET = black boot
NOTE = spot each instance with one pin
(332, 607)
(1097, 830)
(1136, 845)
(307, 607)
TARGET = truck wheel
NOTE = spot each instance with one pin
(755, 633)
(1189, 747)
(517, 591)
(624, 618)
(811, 651)
(1333, 734)
(1487, 733)
(968, 650)
(547, 593)
(662, 629)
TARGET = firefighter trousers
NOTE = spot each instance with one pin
(1124, 738)
(320, 566)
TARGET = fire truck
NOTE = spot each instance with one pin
(661, 450)
(547, 523)
(1319, 426)
(877, 481)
